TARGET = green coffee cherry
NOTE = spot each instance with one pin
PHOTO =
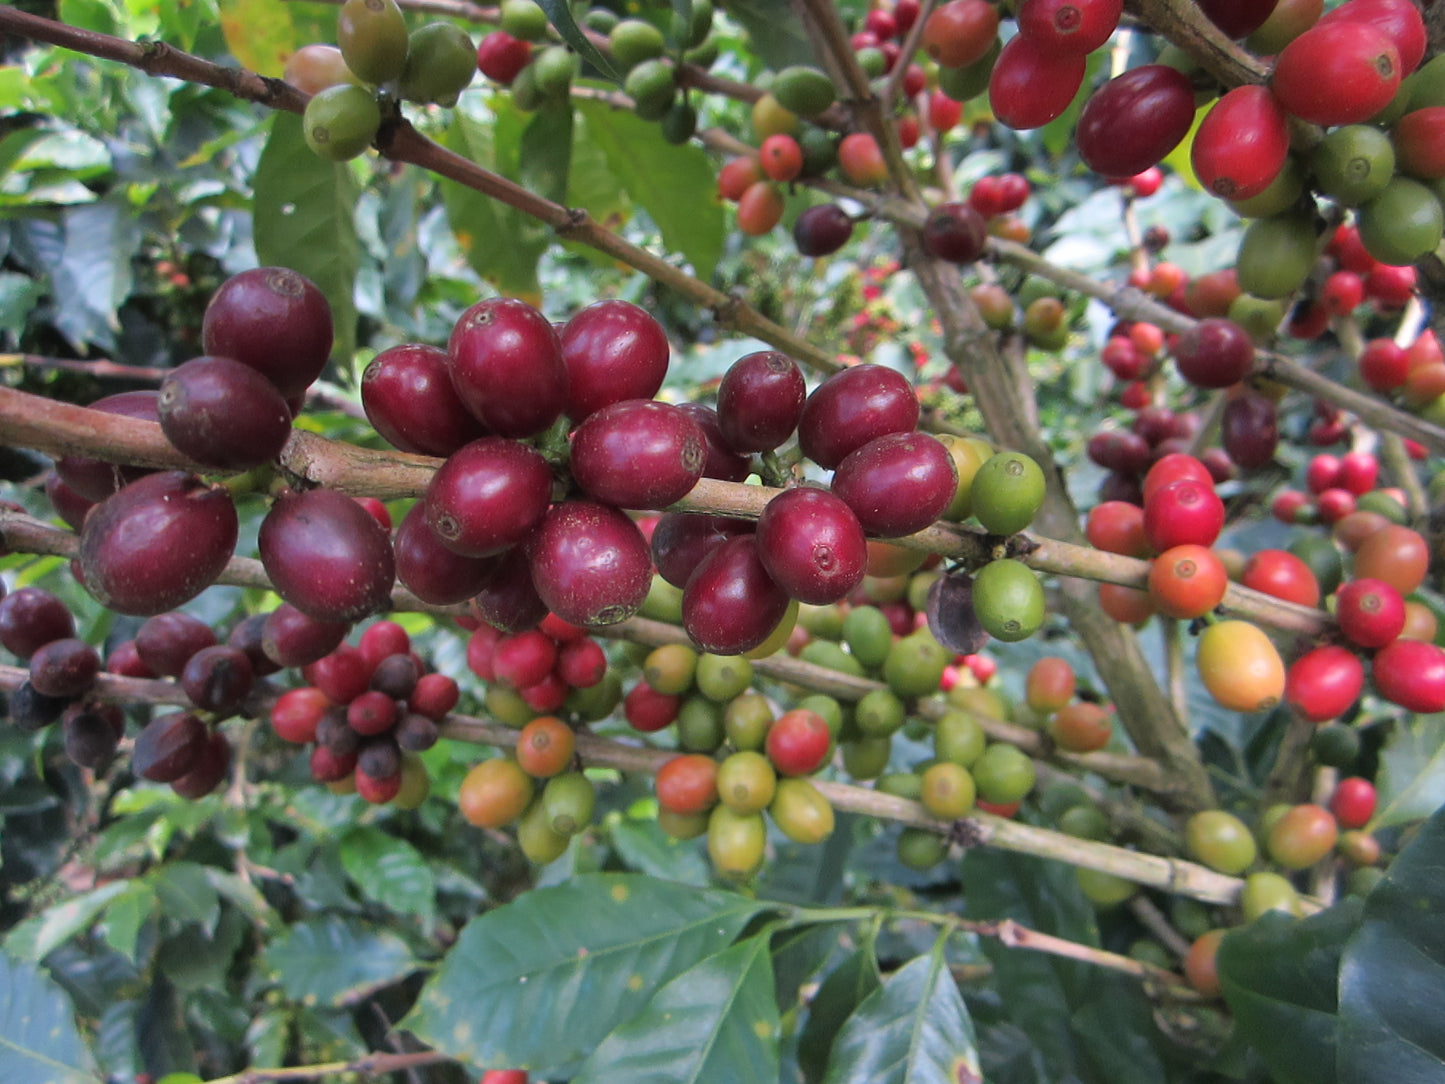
(440, 62)
(372, 37)
(341, 121)
(524, 19)
(632, 41)
(804, 90)
(652, 87)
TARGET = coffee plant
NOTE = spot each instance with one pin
(838, 541)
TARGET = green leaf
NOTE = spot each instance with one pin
(716, 1021)
(546, 151)
(125, 916)
(1117, 1029)
(39, 1042)
(1411, 780)
(775, 32)
(500, 244)
(1278, 975)
(37, 937)
(846, 987)
(540, 982)
(335, 961)
(646, 848)
(1392, 1018)
(185, 893)
(259, 34)
(304, 211)
(915, 1029)
(674, 185)
(559, 12)
(390, 871)
(94, 275)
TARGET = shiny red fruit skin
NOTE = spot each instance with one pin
(1135, 119)
(1214, 353)
(1337, 73)
(488, 496)
(292, 638)
(898, 483)
(722, 462)
(1399, 20)
(1411, 673)
(409, 399)
(590, 563)
(612, 350)
(1241, 144)
(506, 365)
(852, 407)
(638, 453)
(501, 57)
(1283, 575)
(158, 543)
(1238, 18)
(648, 710)
(276, 321)
(1182, 512)
(429, 570)
(32, 617)
(730, 604)
(509, 599)
(1353, 802)
(681, 540)
(1069, 26)
(223, 414)
(326, 556)
(1029, 86)
(1371, 613)
(1324, 683)
(759, 401)
(798, 742)
(812, 545)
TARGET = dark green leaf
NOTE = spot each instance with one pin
(547, 151)
(646, 848)
(125, 916)
(1412, 771)
(538, 983)
(1279, 975)
(36, 938)
(501, 244)
(845, 988)
(914, 1030)
(1392, 1017)
(161, 1033)
(27, 795)
(39, 1042)
(716, 1021)
(185, 893)
(799, 953)
(305, 220)
(334, 961)
(560, 14)
(674, 185)
(774, 32)
(390, 871)
(94, 275)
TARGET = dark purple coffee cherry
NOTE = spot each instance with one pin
(223, 414)
(89, 735)
(276, 321)
(327, 556)
(638, 453)
(506, 366)
(1135, 119)
(680, 540)
(212, 765)
(955, 232)
(166, 642)
(613, 350)
(590, 563)
(731, 604)
(509, 600)
(32, 617)
(218, 679)
(158, 543)
(335, 732)
(1214, 353)
(32, 710)
(69, 505)
(169, 746)
(248, 635)
(488, 496)
(416, 733)
(760, 401)
(65, 668)
(852, 407)
(898, 483)
(292, 637)
(95, 479)
(1249, 430)
(822, 230)
(722, 462)
(429, 570)
(408, 396)
(379, 756)
(396, 675)
(812, 545)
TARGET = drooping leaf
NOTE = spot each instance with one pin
(646, 848)
(259, 33)
(1392, 1018)
(1411, 779)
(333, 961)
(716, 1021)
(390, 871)
(37, 937)
(1117, 1030)
(674, 185)
(845, 988)
(125, 915)
(1279, 978)
(39, 1042)
(915, 1029)
(559, 13)
(500, 244)
(305, 220)
(538, 983)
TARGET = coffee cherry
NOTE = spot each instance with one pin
(495, 793)
(1031, 84)
(960, 32)
(90, 735)
(312, 68)
(290, 637)
(95, 479)
(429, 569)
(1242, 143)
(223, 414)
(1214, 353)
(157, 543)
(506, 366)
(373, 39)
(1371, 613)
(1240, 666)
(64, 669)
(166, 642)
(1302, 836)
(612, 350)
(801, 812)
(327, 556)
(760, 400)
(501, 57)
(408, 396)
(1249, 430)
(822, 230)
(1221, 841)
(638, 453)
(1411, 673)
(169, 746)
(509, 599)
(32, 617)
(1134, 119)
(1081, 727)
(852, 407)
(681, 540)
(488, 496)
(1007, 492)
(1340, 72)
(341, 121)
(1070, 26)
(730, 604)
(440, 62)
(274, 320)
(812, 545)
(590, 563)
(897, 484)
(1008, 600)
(955, 232)
(736, 842)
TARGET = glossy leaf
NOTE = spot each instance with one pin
(540, 982)
(35, 938)
(390, 871)
(716, 1021)
(847, 986)
(1392, 1019)
(546, 151)
(1411, 780)
(559, 14)
(1278, 975)
(39, 1042)
(94, 275)
(674, 185)
(335, 961)
(646, 848)
(915, 1029)
(304, 220)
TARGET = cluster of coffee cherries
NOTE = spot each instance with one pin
(366, 711)
(376, 63)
